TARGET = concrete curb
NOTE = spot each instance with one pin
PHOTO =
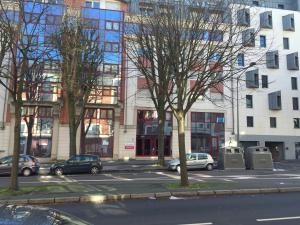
(159, 195)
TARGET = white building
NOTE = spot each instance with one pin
(266, 95)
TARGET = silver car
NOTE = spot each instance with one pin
(28, 165)
(194, 161)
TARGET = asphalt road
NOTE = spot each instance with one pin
(271, 209)
(244, 179)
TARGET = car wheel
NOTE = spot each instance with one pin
(178, 169)
(59, 171)
(94, 170)
(209, 167)
(26, 172)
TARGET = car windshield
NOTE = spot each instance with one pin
(6, 159)
(191, 156)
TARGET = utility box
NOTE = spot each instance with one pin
(231, 158)
(258, 157)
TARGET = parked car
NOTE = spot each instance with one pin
(28, 165)
(78, 164)
(36, 215)
(194, 161)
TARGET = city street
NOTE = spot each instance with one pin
(245, 179)
(270, 209)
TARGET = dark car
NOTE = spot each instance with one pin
(28, 165)
(78, 164)
(35, 215)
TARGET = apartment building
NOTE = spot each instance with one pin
(50, 130)
(265, 108)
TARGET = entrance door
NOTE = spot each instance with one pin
(276, 149)
(146, 145)
(214, 147)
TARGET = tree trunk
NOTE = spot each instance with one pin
(182, 154)
(82, 138)
(16, 152)
(161, 137)
(29, 137)
(72, 125)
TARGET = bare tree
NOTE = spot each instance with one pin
(20, 53)
(35, 79)
(192, 47)
(147, 53)
(78, 44)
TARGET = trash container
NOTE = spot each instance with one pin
(231, 158)
(258, 157)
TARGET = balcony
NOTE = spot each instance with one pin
(292, 61)
(266, 20)
(275, 100)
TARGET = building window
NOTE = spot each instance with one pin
(295, 103)
(208, 132)
(111, 68)
(249, 121)
(53, 19)
(36, 131)
(280, 6)
(262, 41)
(96, 5)
(111, 47)
(249, 101)
(88, 4)
(98, 135)
(296, 122)
(147, 133)
(294, 83)
(264, 81)
(111, 25)
(146, 10)
(241, 59)
(286, 43)
(273, 123)
(255, 3)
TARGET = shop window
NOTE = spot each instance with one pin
(36, 132)
(97, 132)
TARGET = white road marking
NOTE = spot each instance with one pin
(197, 224)
(116, 177)
(168, 175)
(278, 219)
(228, 180)
(203, 175)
